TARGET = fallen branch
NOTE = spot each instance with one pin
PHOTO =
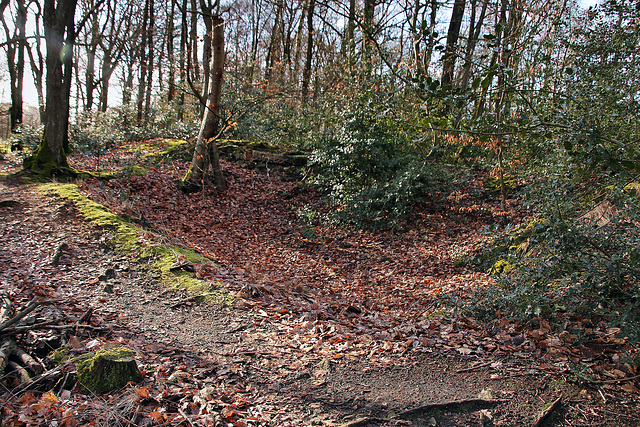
(48, 325)
(6, 350)
(49, 377)
(32, 306)
(616, 380)
(28, 362)
(20, 371)
(545, 414)
(6, 307)
(58, 254)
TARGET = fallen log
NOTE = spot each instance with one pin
(6, 307)
(7, 347)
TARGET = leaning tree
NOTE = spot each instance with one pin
(205, 166)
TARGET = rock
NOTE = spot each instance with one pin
(108, 369)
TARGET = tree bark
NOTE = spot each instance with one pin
(15, 48)
(144, 64)
(449, 58)
(306, 73)
(50, 156)
(205, 155)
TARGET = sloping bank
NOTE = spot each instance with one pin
(141, 244)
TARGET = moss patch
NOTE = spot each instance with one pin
(131, 239)
(108, 369)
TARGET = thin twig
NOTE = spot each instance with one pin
(616, 380)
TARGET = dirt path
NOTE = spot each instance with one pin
(285, 383)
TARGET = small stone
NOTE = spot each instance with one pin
(108, 288)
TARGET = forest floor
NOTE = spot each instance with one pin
(326, 326)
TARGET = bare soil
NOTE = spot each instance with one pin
(242, 349)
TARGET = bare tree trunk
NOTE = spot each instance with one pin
(205, 155)
(193, 36)
(50, 156)
(171, 90)
(449, 58)
(15, 47)
(368, 30)
(148, 91)
(183, 59)
(306, 74)
(143, 62)
(431, 40)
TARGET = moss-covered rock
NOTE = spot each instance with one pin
(108, 369)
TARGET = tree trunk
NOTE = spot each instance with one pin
(15, 47)
(50, 156)
(449, 58)
(143, 62)
(306, 74)
(205, 155)
(368, 30)
(193, 36)
(37, 64)
(171, 89)
(150, 67)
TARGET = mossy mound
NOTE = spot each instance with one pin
(129, 239)
(108, 369)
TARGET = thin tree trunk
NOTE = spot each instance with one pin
(171, 90)
(205, 155)
(306, 74)
(193, 36)
(143, 62)
(449, 58)
(150, 56)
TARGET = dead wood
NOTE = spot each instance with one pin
(44, 381)
(49, 325)
(6, 307)
(426, 408)
(58, 254)
(28, 362)
(7, 347)
(86, 316)
(32, 306)
(545, 414)
(20, 371)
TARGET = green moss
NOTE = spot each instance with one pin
(96, 374)
(493, 184)
(566, 388)
(501, 267)
(127, 239)
(60, 355)
(133, 170)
